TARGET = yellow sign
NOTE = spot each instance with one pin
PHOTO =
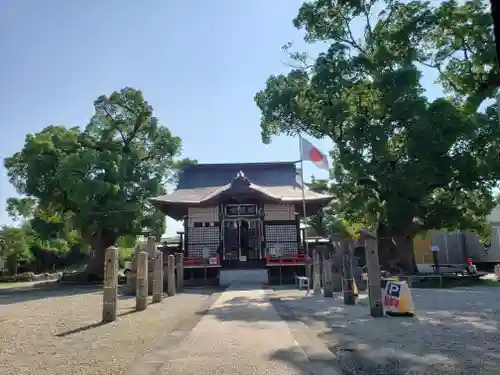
(397, 299)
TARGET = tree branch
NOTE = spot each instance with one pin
(116, 122)
(367, 11)
(352, 41)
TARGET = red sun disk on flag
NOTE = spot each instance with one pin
(316, 156)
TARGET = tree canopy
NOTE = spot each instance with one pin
(100, 176)
(14, 247)
(402, 162)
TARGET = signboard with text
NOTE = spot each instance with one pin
(392, 295)
(397, 300)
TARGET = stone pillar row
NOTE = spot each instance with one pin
(146, 277)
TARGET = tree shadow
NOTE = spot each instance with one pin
(92, 325)
(316, 363)
(203, 290)
(9, 297)
(449, 335)
(243, 309)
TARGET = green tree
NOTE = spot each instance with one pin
(101, 176)
(15, 247)
(330, 221)
(402, 163)
(21, 208)
(46, 228)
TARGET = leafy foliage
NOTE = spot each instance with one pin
(14, 247)
(402, 162)
(101, 177)
(329, 221)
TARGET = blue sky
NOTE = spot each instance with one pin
(198, 63)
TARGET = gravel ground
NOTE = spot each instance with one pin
(52, 332)
(456, 331)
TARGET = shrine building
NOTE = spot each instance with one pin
(241, 216)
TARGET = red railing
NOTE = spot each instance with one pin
(199, 262)
(298, 259)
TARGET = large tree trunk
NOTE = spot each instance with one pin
(406, 254)
(396, 251)
(94, 269)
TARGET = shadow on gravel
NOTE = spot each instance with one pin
(244, 309)
(42, 292)
(294, 357)
(455, 332)
(204, 290)
(92, 325)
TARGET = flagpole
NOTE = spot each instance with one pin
(306, 245)
(315, 271)
(304, 219)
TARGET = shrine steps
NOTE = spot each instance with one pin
(257, 276)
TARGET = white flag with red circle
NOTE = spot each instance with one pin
(308, 152)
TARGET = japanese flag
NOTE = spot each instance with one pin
(311, 153)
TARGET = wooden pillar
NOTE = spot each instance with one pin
(158, 278)
(374, 279)
(308, 274)
(299, 236)
(186, 235)
(181, 242)
(347, 274)
(327, 272)
(171, 275)
(141, 294)
(179, 266)
(110, 295)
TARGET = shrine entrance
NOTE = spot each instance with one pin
(242, 241)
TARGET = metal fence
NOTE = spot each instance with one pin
(456, 247)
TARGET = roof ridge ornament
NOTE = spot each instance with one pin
(240, 180)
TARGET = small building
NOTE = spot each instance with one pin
(244, 215)
(494, 216)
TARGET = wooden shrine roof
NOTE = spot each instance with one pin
(204, 184)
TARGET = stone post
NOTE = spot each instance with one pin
(317, 273)
(132, 275)
(347, 274)
(171, 275)
(110, 295)
(374, 279)
(158, 278)
(141, 293)
(137, 251)
(151, 247)
(179, 265)
(327, 272)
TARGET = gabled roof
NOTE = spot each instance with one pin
(240, 184)
(203, 183)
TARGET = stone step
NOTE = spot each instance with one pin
(243, 276)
